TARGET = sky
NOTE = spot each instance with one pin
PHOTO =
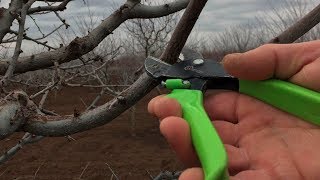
(216, 16)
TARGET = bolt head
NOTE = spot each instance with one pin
(198, 61)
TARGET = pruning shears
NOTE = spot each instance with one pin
(191, 76)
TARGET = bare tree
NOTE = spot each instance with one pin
(148, 36)
(264, 26)
(56, 56)
(282, 17)
(237, 38)
(18, 112)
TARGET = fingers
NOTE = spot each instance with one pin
(192, 174)
(252, 174)
(151, 104)
(166, 108)
(177, 133)
(170, 126)
(308, 76)
(282, 61)
(181, 143)
(197, 174)
(238, 162)
(222, 106)
(237, 159)
(227, 131)
(218, 106)
(233, 107)
(162, 107)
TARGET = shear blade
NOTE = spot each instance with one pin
(190, 54)
(186, 69)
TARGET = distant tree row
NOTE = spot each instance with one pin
(259, 30)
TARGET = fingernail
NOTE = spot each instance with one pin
(231, 57)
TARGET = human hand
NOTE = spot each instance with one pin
(261, 142)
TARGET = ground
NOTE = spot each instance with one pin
(92, 153)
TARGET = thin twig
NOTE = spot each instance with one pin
(4, 171)
(26, 139)
(84, 103)
(151, 177)
(35, 174)
(84, 170)
(50, 86)
(95, 101)
(70, 138)
(112, 171)
(43, 99)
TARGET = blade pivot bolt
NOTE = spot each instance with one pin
(198, 61)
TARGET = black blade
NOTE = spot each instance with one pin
(158, 69)
(184, 69)
(188, 69)
(155, 67)
(211, 71)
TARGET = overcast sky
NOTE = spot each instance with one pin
(217, 15)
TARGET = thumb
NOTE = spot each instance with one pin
(272, 60)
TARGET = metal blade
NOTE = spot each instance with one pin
(189, 54)
(192, 66)
(190, 69)
(155, 67)
(184, 69)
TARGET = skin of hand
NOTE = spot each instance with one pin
(261, 142)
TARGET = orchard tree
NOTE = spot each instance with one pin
(19, 112)
(148, 36)
(20, 109)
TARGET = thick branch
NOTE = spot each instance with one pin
(61, 126)
(62, 6)
(81, 46)
(105, 113)
(181, 34)
(17, 50)
(140, 10)
(7, 16)
(299, 28)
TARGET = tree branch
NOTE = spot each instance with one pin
(299, 28)
(182, 31)
(26, 139)
(7, 16)
(62, 6)
(17, 50)
(81, 46)
(140, 10)
(105, 113)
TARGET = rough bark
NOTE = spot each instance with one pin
(83, 45)
(114, 108)
(7, 16)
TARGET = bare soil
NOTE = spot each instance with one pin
(130, 154)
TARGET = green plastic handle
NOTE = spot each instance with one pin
(205, 138)
(296, 100)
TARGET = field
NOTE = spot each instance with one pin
(93, 153)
